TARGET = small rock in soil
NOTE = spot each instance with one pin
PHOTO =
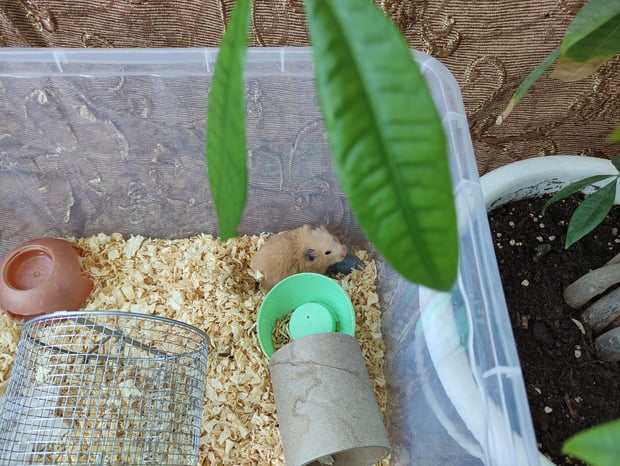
(541, 251)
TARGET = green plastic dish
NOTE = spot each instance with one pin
(320, 305)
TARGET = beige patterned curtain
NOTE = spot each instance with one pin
(489, 46)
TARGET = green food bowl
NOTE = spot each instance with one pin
(318, 305)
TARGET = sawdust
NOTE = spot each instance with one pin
(209, 284)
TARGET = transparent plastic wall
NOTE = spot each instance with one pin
(113, 141)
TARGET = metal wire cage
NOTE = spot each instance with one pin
(104, 388)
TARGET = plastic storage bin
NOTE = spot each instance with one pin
(113, 140)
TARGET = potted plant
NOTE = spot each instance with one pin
(590, 40)
(525, 181)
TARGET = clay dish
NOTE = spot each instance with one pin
(42, 276)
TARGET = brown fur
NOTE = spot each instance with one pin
(288, 253)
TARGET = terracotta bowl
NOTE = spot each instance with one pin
(42, 276)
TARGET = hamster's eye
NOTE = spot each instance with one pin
(327, 253)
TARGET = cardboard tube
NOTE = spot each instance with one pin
(326, 404)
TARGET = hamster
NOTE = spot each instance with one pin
(304, 249)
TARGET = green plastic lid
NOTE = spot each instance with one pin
(318, 304)
(311, 318)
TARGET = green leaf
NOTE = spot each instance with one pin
(591, 213)
(615, 160)
(594, 32)
(615, 136)
(574, 188)
(598, 446)
(387, 139)
(527, 83)
(226, 145)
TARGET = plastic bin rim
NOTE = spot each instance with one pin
(41, 62)
(18, 53)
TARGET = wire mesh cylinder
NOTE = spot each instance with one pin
(104, 388)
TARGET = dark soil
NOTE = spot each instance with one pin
(567, 387)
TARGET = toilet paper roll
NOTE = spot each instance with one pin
(325, 402)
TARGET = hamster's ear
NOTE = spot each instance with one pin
(310, 254)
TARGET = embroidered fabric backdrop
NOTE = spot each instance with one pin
(489, 46)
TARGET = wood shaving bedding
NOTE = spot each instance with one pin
(208, 284)
(280, 335)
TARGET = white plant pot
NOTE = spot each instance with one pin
(538, 176)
